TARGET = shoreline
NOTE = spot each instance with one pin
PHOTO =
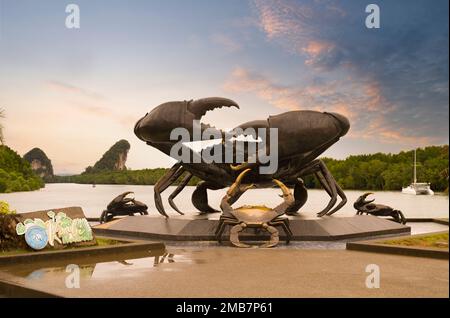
(436, 193)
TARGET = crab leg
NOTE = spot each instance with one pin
(200, 198)
(328, 189)
(343, 199)
(284, 223)
(300, 196)
(234, 235)
(274, 236)
(339, 191)
(180, 187)
(334, 186)
(402, 217)
(323, 182)
(219, 230)
(318, 168)
(333, 190)
(103, 216)
(223, 222)
(169, 178)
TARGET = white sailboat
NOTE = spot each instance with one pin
(417, 188)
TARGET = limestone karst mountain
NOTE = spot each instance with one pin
(113, 160)
(40, 163)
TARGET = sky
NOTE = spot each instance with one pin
(75, 92)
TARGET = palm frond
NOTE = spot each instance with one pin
(2, 115)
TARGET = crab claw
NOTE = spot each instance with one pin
(156, 127)
(242, 166)
(283, 188)
(236, 186)
(199, 107)
(361, 201)
(287, 196)
(364, 196)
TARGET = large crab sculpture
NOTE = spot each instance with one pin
(368, 207)
(258, 217)
(302, 137)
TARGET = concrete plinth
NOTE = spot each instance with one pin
(202, 228)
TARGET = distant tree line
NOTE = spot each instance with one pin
(382, 171)
(135, 177)
(378, 171)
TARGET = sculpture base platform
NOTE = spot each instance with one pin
(202, 228)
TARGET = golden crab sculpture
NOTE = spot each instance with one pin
(261, 217)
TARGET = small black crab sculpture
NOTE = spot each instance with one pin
(258, 217)
(123, 205)
(363, 206)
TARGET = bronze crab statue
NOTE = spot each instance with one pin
(368, 207)
(258, 217)
(303, 135)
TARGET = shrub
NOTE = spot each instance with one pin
(5, 209)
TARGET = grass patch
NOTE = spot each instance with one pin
(432, 240)
(14, 252)
(101, 242)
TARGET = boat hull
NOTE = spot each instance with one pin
(418, 190)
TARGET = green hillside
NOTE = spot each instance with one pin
(114, 159)
(16, 173)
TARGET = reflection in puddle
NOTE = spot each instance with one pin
(170, 259)
(127, 266)
(86, 270)
(134, 267)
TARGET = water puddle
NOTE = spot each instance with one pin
(124, 266)
(133, 265)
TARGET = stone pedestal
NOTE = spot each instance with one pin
(202, 228)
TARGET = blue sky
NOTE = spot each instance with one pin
(74, 92)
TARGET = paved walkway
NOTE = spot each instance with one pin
(232, 272)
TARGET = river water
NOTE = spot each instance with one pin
(94, 200)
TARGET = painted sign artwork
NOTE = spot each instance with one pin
(59, 228)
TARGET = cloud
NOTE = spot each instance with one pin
(90, 103)
(344, 95)
(105, 113)
(293, 24)
(71, 89)
(397, 74)
(282, 18)
(361, 102)
(226, 42)
(316, 48)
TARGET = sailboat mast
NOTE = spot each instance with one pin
(415, 166)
